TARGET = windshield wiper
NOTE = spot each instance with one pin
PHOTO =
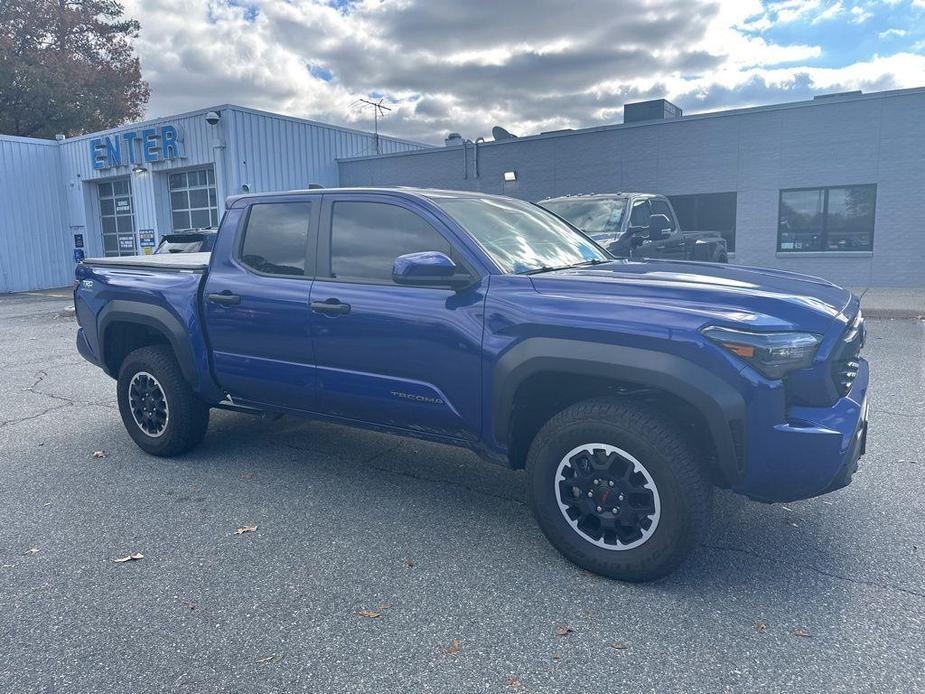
(595, 261)
(542, 268)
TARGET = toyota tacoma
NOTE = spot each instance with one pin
(628, 389)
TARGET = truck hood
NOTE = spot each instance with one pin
(725, 294)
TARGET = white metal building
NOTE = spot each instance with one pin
(116, 192)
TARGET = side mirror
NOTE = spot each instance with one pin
(428, 269)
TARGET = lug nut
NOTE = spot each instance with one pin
(610, 483)
(597, 481)
(590, 494)
(615, 510)
(620, 498)
(599, 509)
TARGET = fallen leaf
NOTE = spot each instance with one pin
(454, 647)
(385, 605)
(564, 630)
(246, 529)
(268, 658)
(369, 614)
(99, 454)
(619, 646)
(512, 682)
(131, 557)
(801, 632)
(410, 563)
(760, 627)
(34, 550)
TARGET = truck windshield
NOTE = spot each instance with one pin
(600, 217)
(521, 237)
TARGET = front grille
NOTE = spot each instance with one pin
(845, 363)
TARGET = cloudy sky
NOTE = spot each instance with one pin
(530, 65)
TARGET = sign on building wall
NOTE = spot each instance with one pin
(146, 241)
(137, 147)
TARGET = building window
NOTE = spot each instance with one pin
(708, 212)
(827, 219)
(193, 203)
(117, 219)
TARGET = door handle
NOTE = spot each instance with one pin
(226, 298)
(332, 307)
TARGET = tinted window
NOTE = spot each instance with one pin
(640, 214)
(827, 219)
(276, 238)
(708, 212)
(366, 237)
(661, 207)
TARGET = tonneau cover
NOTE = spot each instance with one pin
(163, 261)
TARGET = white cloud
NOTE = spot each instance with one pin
(890, 33)
(444, 65)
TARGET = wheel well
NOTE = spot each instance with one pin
(543, 395)
(122, 338)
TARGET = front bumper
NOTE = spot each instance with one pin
(815, 451)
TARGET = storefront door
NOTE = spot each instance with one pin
(117, 218)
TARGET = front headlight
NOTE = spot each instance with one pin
(772, 354)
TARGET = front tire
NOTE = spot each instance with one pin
(159, 409)
(617, 490)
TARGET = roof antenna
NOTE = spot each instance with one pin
(378, 110)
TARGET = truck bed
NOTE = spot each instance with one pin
(166, 261)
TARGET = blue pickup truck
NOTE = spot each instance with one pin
(628, 389)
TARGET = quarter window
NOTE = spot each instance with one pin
(193, 203)
(276, 238)
(366, 237)
(827, 219)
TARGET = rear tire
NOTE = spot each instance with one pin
(617, 490)
(159, 409)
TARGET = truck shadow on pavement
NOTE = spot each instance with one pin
(749, 544)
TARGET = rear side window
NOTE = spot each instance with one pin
(276, 238)
(366, 237)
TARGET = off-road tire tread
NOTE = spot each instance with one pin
(189, 416)
(643, 422)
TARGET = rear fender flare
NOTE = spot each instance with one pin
(156, 318)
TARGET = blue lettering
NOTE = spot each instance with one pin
(97, 153)
(149, 145)
(170, 142)
(130, 138)
(113, 152)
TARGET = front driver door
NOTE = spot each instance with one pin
(396, 356)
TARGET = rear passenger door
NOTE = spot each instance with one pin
(256, 303)
(395, 356)
(671, 243)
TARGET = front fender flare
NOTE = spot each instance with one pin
(721, 405)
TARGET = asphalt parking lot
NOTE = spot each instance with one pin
(820, 595)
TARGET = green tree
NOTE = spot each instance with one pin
(67, 66)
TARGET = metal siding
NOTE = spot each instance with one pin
(34, 248)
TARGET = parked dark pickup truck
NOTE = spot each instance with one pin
(628, 389)
(637, 225)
